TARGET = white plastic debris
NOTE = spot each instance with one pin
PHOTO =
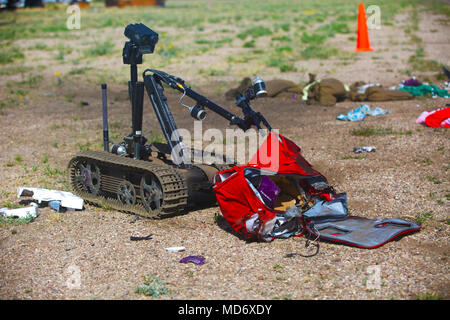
(67, 199)
(362, 89)
(446, 85)
(364, 149)
(175, 249)
(20, 213)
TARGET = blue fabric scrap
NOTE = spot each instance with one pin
(360, 113)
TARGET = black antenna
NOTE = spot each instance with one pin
(105, 119)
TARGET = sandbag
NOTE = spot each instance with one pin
(382, 94)
(326, 92)
(244, 85)
(331, 91)
(377, 93)
(286, 95)
(275, 88)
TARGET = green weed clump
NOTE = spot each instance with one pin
(286, 27)
(278, 61)
(421, 64)
(287, 67)
(14, 69)
(283, 49)
(169, 51)
(203, 41)
(212, 72)
(8, 55)
(81, 70)
(152, 287)
(313, 38)
(249, 44)
(8, 221)
(255, 32)
(40, 46)
(429, 296)
(282, 38)
(333, 28)
(369, 131)
(315, 51)
(100, 49)
(421, 217)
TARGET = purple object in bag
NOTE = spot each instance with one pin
(268, 191)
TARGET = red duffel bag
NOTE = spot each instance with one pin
(255, 198)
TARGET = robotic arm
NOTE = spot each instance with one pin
(251, 118)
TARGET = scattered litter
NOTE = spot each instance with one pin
(56, 205)
(48, 94)
(21, 213)
(364, 149)
(413, 82)
(134, 219)
(446, 86)
(141, 238)
(67, 199)
(360, 113)
(84, 103)
(198, 260)
(175, 249)
(425, 89)
(439, 118)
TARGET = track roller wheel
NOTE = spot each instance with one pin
(126, 193)
(151, 192)
(87, 176)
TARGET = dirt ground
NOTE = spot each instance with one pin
(407, 177)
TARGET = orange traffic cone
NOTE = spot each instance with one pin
(362, 40)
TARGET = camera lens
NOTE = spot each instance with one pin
(259, 86)
(197, 113)
(118, 149)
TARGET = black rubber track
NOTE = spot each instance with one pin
(172, 182)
